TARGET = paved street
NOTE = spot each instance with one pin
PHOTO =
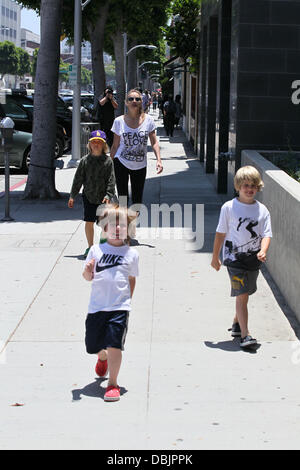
(185, 383)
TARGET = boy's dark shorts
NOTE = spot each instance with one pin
(242, 281)
(89, 210)
(106, 330)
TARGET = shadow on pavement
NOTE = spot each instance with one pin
(232, 346)
(93, 390)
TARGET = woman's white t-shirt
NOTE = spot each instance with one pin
(132, 151)
(110, 285)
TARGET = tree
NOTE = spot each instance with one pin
(41, 177)
(94, 17)
(86, 76)
(24, 64)
(142, 26)
(96, 29)
(181, 35)
(34, 62)
(9, 59)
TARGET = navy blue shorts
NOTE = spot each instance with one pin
(89, 210)
(106, 330)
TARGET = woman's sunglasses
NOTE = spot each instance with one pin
(131, 98)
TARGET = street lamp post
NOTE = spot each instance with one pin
(148, 62)
(78, 8)
(126, 54)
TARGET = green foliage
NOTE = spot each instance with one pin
(286, 161)
(182, 34)
(33, 63)
(9, 58)
(86, 76)
(142, 21)
(63, 71)
(110, 71)
(24, 64)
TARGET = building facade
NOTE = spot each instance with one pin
(10, 22)
(249, 67)
(29, 41)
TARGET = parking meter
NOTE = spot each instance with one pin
(7, 126)
(7, 129)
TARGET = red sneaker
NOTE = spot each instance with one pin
(112, 393)
(101, 368)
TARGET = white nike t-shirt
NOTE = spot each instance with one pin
(110, 286)
(132, 151)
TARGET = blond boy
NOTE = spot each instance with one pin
(244, 231)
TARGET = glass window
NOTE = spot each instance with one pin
(14, 111)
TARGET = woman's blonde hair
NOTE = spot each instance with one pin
(111, 213)
(248, 174)
(141, 110)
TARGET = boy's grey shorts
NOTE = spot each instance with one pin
(242, 282)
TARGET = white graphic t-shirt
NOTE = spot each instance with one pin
(245, 225)
(110, 286)
(132, 151)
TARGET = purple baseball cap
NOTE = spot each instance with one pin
(97, 135)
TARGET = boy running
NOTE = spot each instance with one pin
(112, 267)
(244, 231)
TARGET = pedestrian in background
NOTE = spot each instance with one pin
(244, 231)
(95, 173)
(169, 110)
(154, 101)
(146, 101)
(105, 113)
(112, 267)
(129, 149)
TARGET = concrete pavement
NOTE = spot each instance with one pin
(185, 383)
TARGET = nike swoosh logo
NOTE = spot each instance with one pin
(108, 266)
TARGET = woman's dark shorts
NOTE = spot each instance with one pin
(242, 281)
(89, 210)
(106, 330)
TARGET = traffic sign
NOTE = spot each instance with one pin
(72, 74)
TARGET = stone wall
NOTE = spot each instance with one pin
(281, 195)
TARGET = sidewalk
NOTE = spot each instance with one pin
(185, 383)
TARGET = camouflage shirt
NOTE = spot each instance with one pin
(96, 175)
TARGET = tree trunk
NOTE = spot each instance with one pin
(132, 64)
(118, 42)
(41, 177)
(96, 33)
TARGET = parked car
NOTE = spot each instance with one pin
(19, 154)
(65, 91)
(63, 116)
(86, 106)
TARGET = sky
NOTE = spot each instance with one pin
(30, 20)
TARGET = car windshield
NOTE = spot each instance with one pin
(14, 111)
(22, 100)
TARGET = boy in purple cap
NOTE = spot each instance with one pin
(95, 173)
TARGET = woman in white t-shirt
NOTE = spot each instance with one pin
(129, 149)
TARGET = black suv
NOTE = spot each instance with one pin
(19, 107)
